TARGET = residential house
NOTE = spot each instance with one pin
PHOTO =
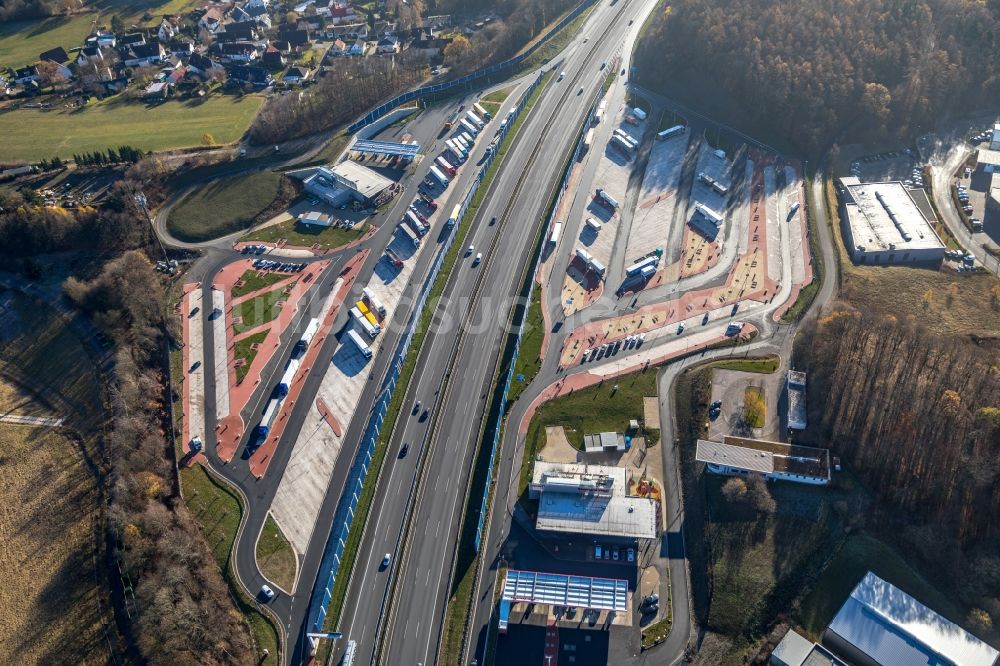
(283, 46)
(341, 12)
(132, 39)
(184, 49)
(176, 75)
(158, 90)
(142, 55)
(245, 31)
(166, 32)
(238, 15)
(296, 37)
(250, 75)
(254, 4)
(57, 55)
(91, 54)
(259, 15)
(202, 66)
(106, 40)
(357, 48)
(26, 75)
(211, 19)
(339, 48)
(296, 74)
(387, 44)
(239, 52)
(272, 58)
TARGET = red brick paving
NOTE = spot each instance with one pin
(329, 418)
(261, 458)
(232, 428)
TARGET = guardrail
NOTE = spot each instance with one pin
(520, 329)
(434, 89)
(344, 516)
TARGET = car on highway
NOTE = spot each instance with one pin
(385, 561)
(266, 592)
(562, 75)
(580, 91)
(404, 449)
(680, 328)
(478, 259)
(470, 250)
(423, 417)
(603, 65)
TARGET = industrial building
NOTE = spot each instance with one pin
(796, 650)
(741, 456)
(346, 181)
(576, 498)
(316, 218)
(795, 386)
(583, 592)
(883, 225)
(880, 625)
(995, 141)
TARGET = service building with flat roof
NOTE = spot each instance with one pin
(742, 456)
(576, 498)
(883, 225)
(795, 386)
(346, 181)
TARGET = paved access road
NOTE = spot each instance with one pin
(444, 444)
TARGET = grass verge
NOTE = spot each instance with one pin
(224, 206)
(244, 349)
(657, 632)
(218, 512)
(406, 372)
(556, 43)
(31, 134)
(494, 100)
(275, 556)
(764, 365)
(297, 234)
(754, 406)
(254, 280)
(529, 360)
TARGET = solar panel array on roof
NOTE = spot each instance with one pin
(564, 590)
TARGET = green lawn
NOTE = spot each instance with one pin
(597, 408)
(254, 280)
(528, 361)
(223, 206)
(764, 365)
(306, 235)
(31, 134)
(22, 41)
(858, 555)
(243, 350)
(493, 101)
(275, 556)
(218, 512)
(259, 310)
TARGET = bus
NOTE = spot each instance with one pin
(669, 132)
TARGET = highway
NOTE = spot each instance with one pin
(478, 300)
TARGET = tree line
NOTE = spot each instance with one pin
(16, 10)
(812, 73)
(121, 155)
(186, 612)
(917, 417)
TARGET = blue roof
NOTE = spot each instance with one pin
(894, 629)
(410, 150)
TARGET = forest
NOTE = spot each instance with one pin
(805, 75)
(917, 417)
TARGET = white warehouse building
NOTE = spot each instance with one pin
(741, 456)
(883, 225)
(346, 181)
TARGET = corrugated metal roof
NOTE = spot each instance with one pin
(894, 629)
(718, 453)
(563, 590)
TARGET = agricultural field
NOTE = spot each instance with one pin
(53, 602)
(33, 134)
(22, 41)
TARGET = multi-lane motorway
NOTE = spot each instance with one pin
(395, 614)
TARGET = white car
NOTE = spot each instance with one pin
(469, 251)
(386, 560)
(562, 75)
(267, 592)
(478, 259)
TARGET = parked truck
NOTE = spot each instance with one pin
(270, 414)
(307, 336)
(362, 346)
(606, 199)
(285, 383)
(409, 233)
(445, 165)
(483, 113)
(371, 329)
(415, 223)
(437, 173)
(373, 302)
